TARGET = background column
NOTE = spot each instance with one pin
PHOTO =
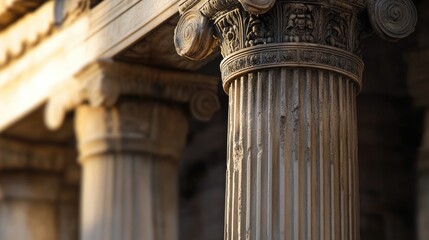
(129, 157)
(131, 123)
(30, 179)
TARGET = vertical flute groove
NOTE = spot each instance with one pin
(292, 166)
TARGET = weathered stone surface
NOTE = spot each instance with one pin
(292, 75)
(129, 145)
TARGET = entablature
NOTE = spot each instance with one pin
(45, 65)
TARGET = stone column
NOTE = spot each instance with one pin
(131, 123)
(292, 72)
(30, 178)
(418, 82)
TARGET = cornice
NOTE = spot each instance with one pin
(25, 34)
(103, 82)
(104, 32)
(11, 10)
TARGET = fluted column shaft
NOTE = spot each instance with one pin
(129, 157)
(292, 170)
(292, 156)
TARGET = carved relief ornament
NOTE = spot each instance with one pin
(104, 82)
(332, 29)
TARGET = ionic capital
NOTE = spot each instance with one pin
(101, 85)
(243, 25)
(132, 126)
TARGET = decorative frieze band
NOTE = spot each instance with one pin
(102, 83)
(291, 55)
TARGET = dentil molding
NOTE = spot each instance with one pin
(23, 35)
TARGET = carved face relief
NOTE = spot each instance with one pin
(258, 33)
(300, 23)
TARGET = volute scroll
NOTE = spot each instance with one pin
(193, 36)
(204, 104)
(392, 19)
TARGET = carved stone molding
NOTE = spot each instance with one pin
(292, 34)
(194, 46)
(338, 24)
(102, 83)
(392, 19)
(24, 34)
(13, 9)
(131, 126)
(291, 55)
